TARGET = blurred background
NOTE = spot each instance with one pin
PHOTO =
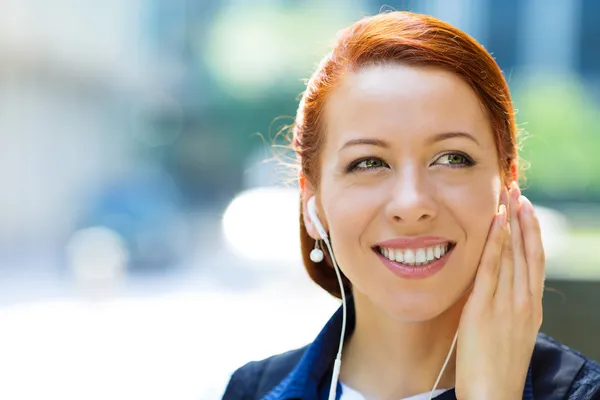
(139, 186)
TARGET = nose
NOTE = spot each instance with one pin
(412, 199)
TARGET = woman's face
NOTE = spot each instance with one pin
(408, 153)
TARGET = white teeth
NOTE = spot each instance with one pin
(420, 256)
(399, 256)
(390, 254)
(430, 256)
(409, 257)
(437, 251)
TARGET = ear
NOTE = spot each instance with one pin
(306, 192)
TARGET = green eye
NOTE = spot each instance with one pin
(370, 163)
(455, 160)
(367, 164)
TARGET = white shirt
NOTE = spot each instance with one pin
(350, 394)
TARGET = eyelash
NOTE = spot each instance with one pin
(353, 167)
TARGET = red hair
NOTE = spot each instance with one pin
(408, 39)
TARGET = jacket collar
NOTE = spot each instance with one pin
(311, 377)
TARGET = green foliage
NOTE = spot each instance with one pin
(256, 47)
(563, 137)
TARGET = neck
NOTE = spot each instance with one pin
(390, 359)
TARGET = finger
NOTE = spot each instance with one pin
(503, 196)
(507, 268)
(521, 276)
(534, 248)
(486, 279)
(504, 290)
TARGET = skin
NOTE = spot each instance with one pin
(413, 182)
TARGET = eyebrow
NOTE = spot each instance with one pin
(384, 144)
(450, 135)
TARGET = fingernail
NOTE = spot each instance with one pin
(515, 191)
(502, 214)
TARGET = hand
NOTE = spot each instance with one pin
(503, 314)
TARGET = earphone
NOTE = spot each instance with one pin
(314, 218)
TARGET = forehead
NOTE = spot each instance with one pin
(404, 101)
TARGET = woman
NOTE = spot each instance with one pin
(408, 148)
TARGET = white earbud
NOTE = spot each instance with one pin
(312, 213)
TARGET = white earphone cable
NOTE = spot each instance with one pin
(437, 381)
(338, 360)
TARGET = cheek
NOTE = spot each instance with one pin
(349, 207)
(473, 208)
(349, 216)
(472, 197)
(350, 213)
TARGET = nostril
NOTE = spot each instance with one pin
(424, 217)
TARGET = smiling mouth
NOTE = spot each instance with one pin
(416, 257)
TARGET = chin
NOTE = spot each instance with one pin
(418, 307)
(407, 310)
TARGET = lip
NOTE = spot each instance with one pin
(414, 243)
(415, 272)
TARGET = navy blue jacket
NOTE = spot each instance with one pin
(555, 372)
